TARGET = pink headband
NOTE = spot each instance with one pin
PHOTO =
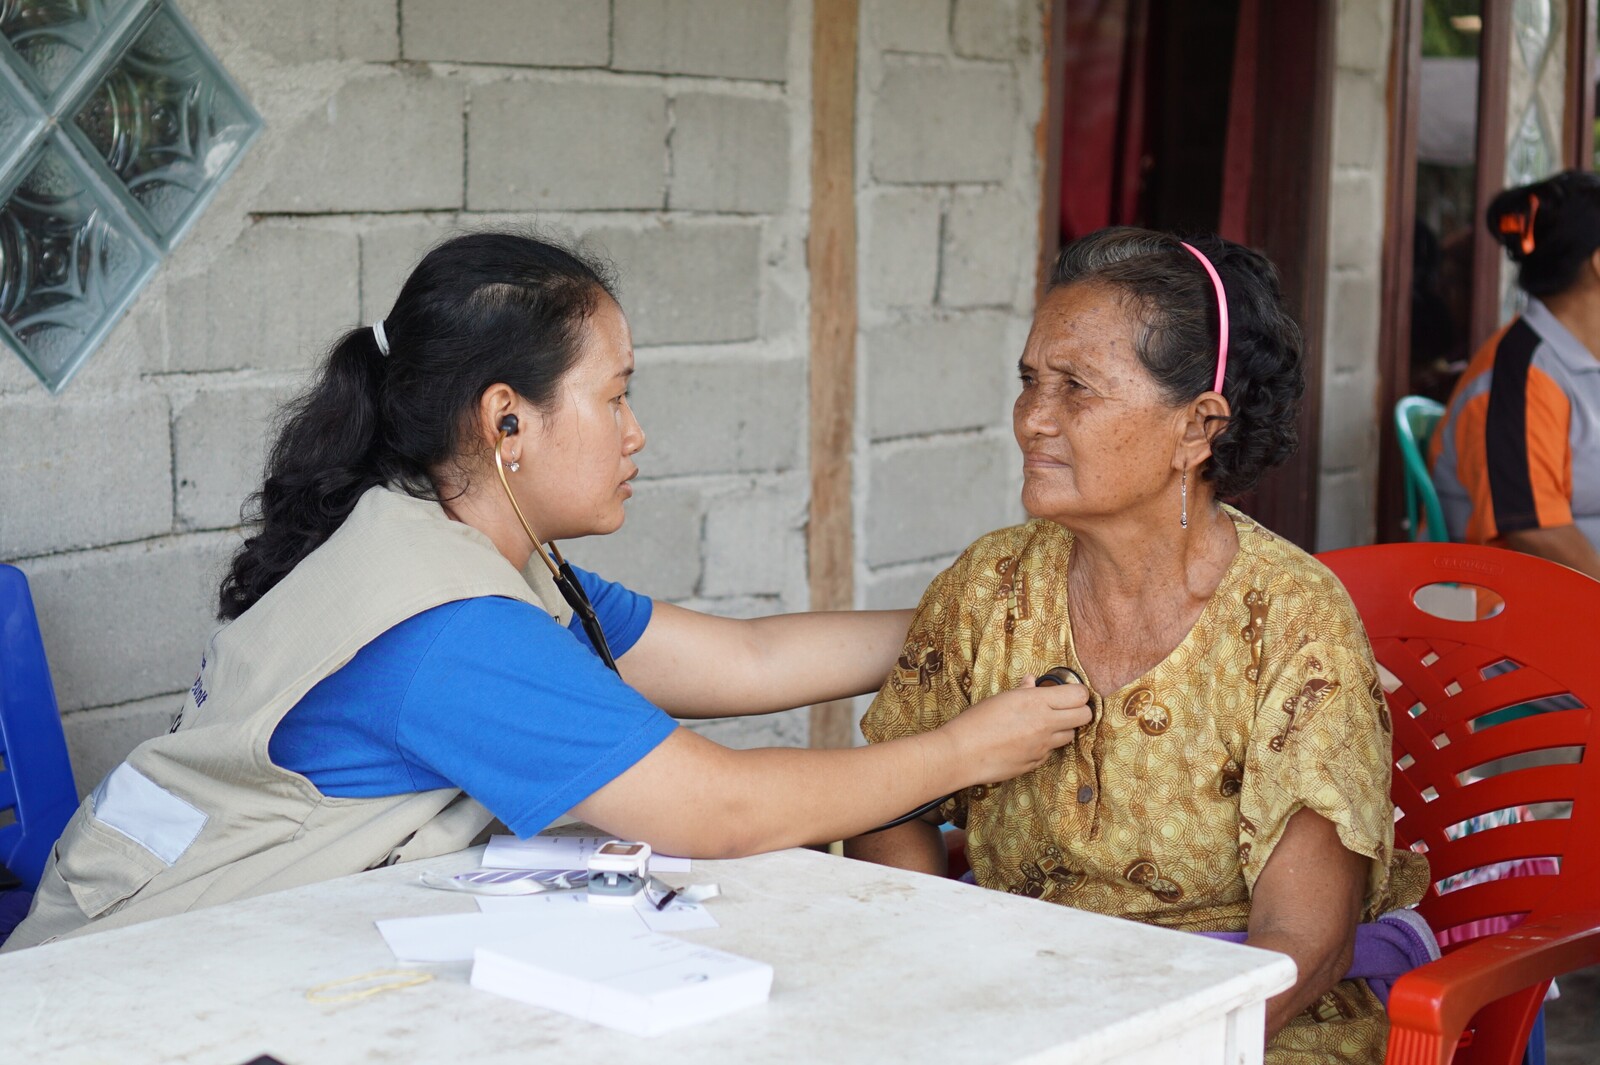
(1222, 314)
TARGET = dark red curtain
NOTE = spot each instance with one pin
(1238, 156)
(1103, 143)
(1106, 146)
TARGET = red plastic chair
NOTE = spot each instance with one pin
(1478, 1003)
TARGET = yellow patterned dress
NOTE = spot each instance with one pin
(1166, 808)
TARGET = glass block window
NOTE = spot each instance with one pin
(117, 125)
(1533, 152)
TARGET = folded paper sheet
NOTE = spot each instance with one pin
(680, 915)
(454, 936)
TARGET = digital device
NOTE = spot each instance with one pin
(618, 870)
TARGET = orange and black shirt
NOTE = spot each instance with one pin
(1519, 445)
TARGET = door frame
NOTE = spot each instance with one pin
(1577, 141)
(1394, 336)
(831, 255)
(1288, 221)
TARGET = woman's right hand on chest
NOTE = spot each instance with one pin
(694, 797)
(1014, 731)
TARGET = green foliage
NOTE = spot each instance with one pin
(1439, 37)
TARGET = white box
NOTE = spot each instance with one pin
(640, 982)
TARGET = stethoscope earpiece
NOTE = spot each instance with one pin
(560, 572)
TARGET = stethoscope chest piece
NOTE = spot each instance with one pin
(1053, 676)
(1059, 675)
(1064, 675)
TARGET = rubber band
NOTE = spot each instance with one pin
(403, 978)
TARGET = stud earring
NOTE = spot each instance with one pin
(1183, 490)
(515, 466)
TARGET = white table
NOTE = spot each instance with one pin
(872, 965)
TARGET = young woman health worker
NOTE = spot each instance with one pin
(399, 663)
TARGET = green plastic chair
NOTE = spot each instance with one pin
(1414, 420)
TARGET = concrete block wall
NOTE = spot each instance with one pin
(671, 136)
(949, 95)
(1347, 506)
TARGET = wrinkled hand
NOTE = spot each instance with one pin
(1010, 733)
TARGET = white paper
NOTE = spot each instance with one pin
(561, 852)
(454, 936)
(679, 916)
(557, 907)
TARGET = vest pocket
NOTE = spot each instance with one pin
(128, 830)
(102, 868)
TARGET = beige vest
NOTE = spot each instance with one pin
(201, 816)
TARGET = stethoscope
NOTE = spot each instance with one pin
(1048, 679)
(560, 572)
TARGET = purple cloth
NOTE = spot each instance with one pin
(1386, 949)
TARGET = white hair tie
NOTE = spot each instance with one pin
(381, 337)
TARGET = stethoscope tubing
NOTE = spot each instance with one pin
(561, 574)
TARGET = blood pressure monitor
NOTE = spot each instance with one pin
(617, 872)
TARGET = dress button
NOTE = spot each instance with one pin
(1085, 793)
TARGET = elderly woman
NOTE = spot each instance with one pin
(1235, 776)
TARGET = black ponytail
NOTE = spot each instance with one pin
(1550, 229)
(479, 309)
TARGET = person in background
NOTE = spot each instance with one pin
(1516, 458)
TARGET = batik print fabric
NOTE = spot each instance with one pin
(1167, 806)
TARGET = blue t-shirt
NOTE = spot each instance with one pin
(488, 695)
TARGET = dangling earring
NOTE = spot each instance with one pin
(1183, 490)
(514, 466)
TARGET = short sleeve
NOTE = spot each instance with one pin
(930, 682)
(1550, 450)
(1527, 482)
(508, 706)
(623, 613)
(1321, 739)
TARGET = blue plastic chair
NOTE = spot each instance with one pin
(37, 794)
(1414, 420)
